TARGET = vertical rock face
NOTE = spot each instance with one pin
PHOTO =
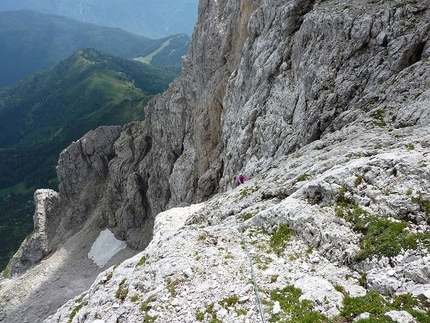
(38, 244)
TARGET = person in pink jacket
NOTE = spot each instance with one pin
(241, 179)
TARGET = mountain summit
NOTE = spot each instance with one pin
(324, 106)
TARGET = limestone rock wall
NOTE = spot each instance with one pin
(39, 244)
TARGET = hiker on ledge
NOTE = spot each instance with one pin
(241, 179)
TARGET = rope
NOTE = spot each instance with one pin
(257, 296)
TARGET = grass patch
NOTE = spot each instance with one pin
(74, 312)
(380, 236)
(274, 278)
(279, 240)
(383, 237)
(230, 301)
(134, 298)
(248, 191)
(292, 309)
(378, 117)
(141, 262)
(246, 216)
(422, 202)
(410, 146)
(6, 272)
(212, 313)
(172, 286)
(376, 305)
(200, 316)
(303, 177)
(145, 307)
(122, 290)
(261, 261)
(372, 303)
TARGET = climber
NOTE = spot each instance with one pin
(241, 179)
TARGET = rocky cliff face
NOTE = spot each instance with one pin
(325, 104)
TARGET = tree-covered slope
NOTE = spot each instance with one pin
(43, 113)
(33, 41)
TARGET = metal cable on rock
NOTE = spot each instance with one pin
(257, 296)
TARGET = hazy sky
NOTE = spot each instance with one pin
(149, 18)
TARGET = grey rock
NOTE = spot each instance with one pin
(400, 316)
(38, 245)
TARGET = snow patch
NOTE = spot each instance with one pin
(105, 247)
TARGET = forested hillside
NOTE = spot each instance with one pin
(33, 41)
(43, 113)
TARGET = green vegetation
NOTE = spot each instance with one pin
(377, 306)
(410, 146)
(79, 300)
(372, 303)
(303, 177)
(261, 261)
(422, 202)
(122, 290)
(77, 308)
(230, 301)
(292, 309)
(145, 307)
(74, 312)
(172, 286)
(274, 278)
(280, 239)
(134, 298)
(200, 316)
(383, 237)
(378, 117)
(298, 311)
(246, 216)
(247, 191)
(404, 4)
(380, 236)
(141, 262)
(210, 311)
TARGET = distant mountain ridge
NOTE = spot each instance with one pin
(153, 19)
(33, 41)
(43, 113)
